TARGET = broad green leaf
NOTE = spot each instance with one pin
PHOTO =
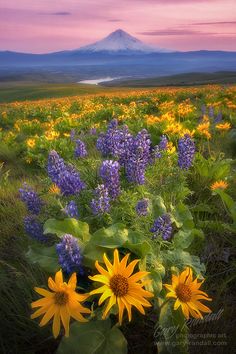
(94, 337)
(182, 216)
(156, 281)
(45, 256)
(137, 244)
(111, 237)
(181, 259)
(183, 239)
(171, 331)
(115, 343)
(70, 226)
(140, 249)
(93, 253)
(158, 206)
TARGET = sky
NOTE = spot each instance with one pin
(40, 26)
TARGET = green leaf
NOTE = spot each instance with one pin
(111, 237)
(229, 202)
(137, 244)
(181, 259)
(70, 226)
(156, 281)
(182, 216)
(94, 337)
(183, 239)
(202, 207)
(93, 253)
(45, 256)
(171, 331)
(158, 206)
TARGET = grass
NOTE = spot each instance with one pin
(190, 79)
(21, 91)
(37, 88)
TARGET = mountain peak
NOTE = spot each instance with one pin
(119, 41)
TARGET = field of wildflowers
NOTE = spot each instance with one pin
(115, 209)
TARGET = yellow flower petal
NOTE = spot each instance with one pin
(104, 296)
(48, 315)
(111, 302)
(100, 279)
(65, 317)
(43, 292)
(72, 281)
(59, 278)
(56, 326)
(129, 270)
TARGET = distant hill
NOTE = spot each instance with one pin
(117, 55)
(190, 79)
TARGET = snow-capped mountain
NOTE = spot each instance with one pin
(120, 41)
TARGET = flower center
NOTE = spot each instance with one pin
(61, 298)
(183, 292)
(119, 285)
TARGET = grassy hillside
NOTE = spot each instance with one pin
(190, 79)
(21, 91)
(38, 88)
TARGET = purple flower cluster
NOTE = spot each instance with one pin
(31, 199)
(203, 109)
(211, 112)
(186, 151)
(101, 203)
(34, 229)
(64, 175)
(162, 146)
(218, 118)
(71, 210)
(138, 157)
(109, 172)
(72, 134)
(80, 149)
(163, 143)
(92, 131)
(142, 207)
(115, 141)
(162, 227)
(69, 254)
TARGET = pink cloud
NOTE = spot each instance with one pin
(44, 26)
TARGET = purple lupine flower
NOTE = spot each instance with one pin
(142, 207)
(186, 151)
(211, 112)
(114, 141)
(31, 199)
(162, 227)
(218, 118)
(72, 134)
(80, 149)
(34, 229)
(203, 109)
(163, 142)
(70, 182)
(71, 210)
(138, 157)
(157, 149)
(93, 131)
(64, 175)
(55, 166)
(101, 203)
(109, 172)
(69, 253)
